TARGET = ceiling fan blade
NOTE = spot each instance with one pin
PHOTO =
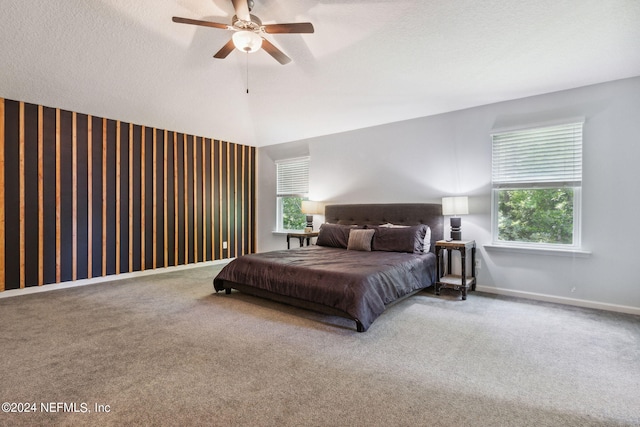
(275, 52)
(301, 27)
(199, 22)
(226, 50)
(242, 9)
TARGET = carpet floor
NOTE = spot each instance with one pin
(166, 350)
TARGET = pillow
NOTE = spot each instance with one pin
(360, 240)
(427, 240)
(427, 236)
(334, 235)
(389, 225)
(400, 239)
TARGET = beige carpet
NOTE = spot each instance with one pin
(166, 350)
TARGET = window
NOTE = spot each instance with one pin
(292, 189)
(537, 180)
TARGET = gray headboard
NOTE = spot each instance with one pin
(394, 213)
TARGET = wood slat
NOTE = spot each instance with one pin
(228, 201)
(74, 196)
(195, 201)
(118, 243)
(220, 187)
(252, 208)
(242, 206)
(249, 203)
(89, 197)
(40, 195)
(236, 194)
(130, 220)
(212, 172)
(251, 200)
(2, 192)
(175, 199)
(154, 202)
(104, 197)
(58, 195)
(143, 202)
(204, 200)
(165, 206)
(21, 202)
(185, 193)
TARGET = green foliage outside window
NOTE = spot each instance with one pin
(292, 218)
(536, 215)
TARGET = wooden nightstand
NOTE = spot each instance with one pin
(301, 236)
(445, 278)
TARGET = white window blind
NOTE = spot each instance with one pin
(293, 177)
(548, 156)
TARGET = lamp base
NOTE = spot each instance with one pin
(456, 224)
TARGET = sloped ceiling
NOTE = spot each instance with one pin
(369, 62)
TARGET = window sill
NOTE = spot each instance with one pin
(285, 232)
(580, 253)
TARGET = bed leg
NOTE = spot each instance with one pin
(227, 291)
(359, 326)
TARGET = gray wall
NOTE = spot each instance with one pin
(423, 159)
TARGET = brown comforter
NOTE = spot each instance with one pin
(357, 283)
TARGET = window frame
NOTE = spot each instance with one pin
(577, 220)
(296, 168)
(543, 183)
(280, 215)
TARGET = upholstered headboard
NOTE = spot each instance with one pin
(396, 213)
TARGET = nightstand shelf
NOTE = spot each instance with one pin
(455, 280)
(445, 277)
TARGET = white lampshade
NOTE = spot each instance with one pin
(310, 207)
(458, 205)
(247, 41)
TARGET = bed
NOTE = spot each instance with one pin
(367, 258)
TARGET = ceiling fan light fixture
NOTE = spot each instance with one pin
(247, 41)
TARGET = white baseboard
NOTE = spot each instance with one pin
(110, 278)
(561, 300)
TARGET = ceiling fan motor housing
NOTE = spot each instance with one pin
(254, 25)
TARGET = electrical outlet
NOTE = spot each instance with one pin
(573, 289)
(478, 264)
(224, 245)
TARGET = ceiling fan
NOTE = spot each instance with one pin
(248, 29)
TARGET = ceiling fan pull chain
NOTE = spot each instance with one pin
(247, 62)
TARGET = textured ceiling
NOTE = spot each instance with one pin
(369, 62)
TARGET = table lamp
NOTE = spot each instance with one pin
(311, 208)
(454, 206)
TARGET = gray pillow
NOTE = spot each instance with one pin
(427, 236)
(400, 239)
(360, 240)
(334, 235)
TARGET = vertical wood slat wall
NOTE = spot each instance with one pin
(83, 196)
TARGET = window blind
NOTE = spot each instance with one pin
(293, 177)
(548, 156)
